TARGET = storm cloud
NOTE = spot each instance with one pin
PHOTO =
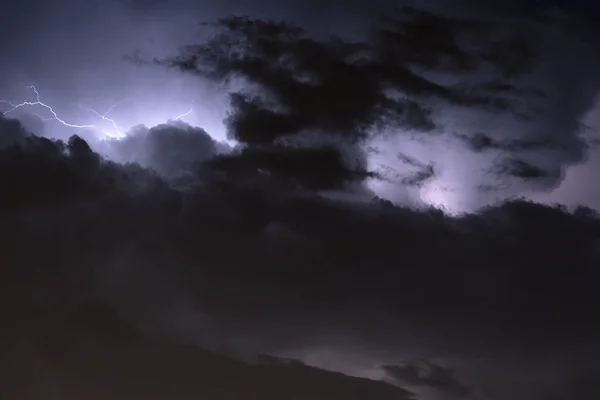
(248, 267)
(465, 75)
(291, 260)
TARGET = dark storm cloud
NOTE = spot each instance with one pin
(223, 251)
(424, 173)
(480, 142)
(82, 65)
(311, 168)
(415, 37)
(397, 77)
(516, 168)
(301, 76)
(13, 132)
(341, 88)
(239, 265)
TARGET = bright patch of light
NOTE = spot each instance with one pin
(106, 126)
(116, 132)
(437, 196)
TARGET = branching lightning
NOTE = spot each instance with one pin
(38, 102)
(116, 132)
(105, 117)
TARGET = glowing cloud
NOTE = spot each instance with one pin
(108, 128)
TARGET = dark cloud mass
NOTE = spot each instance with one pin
(242, 267)
(303, 258)
(426, 74)
(343, 88)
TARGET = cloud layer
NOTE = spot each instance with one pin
(248, 266)
(296, 248)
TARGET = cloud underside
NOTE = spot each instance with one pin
(78, 229)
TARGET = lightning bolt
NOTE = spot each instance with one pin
(104, 117)
(39, 102)
(119, 132)
(185, 114)
(116, 134)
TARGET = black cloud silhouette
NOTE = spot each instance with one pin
(344, 89)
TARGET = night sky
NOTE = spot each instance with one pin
(303, 199)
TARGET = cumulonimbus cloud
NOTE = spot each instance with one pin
(225, 251)
(244, 259)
